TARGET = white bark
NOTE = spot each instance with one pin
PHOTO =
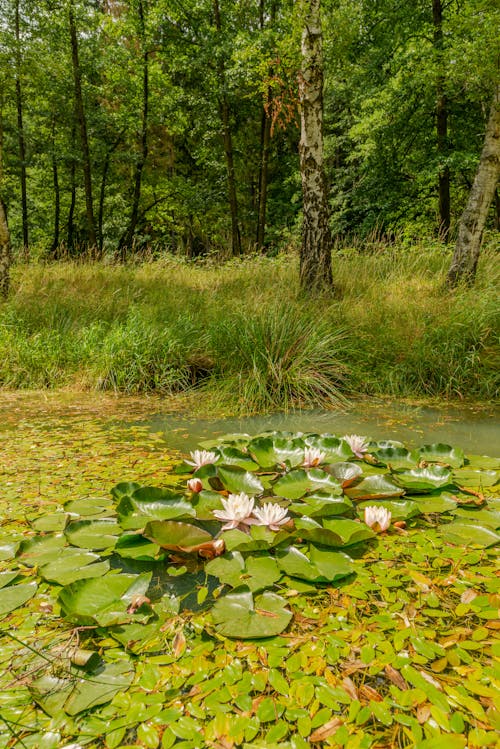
(470, 231)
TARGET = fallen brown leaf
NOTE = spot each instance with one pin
(320, 734)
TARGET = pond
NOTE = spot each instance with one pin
(476, 429)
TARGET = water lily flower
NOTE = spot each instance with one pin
(195, 486)
(313, 457)
(377, 518)
(201, 458)
(358, 444)
(237, 510)
(272, 515)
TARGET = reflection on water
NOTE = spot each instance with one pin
(475, 430)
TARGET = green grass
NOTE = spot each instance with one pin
(243, 332)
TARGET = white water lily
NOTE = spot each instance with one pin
(201, 458)
(194, 485)
(313, 457)
(377, 518)
(272, 515)
(358, 444)
(237, 509)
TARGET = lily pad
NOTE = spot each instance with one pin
(256, 572)
(93, 534)
(103, 600)
(259, 538)
(299, 482)
(435, 503)
(41, 549)
(469, 534)
(377, 486)
(318, 566)
(133, 546)
(337, 533)
(14, 596)
(176, 536)
(424, 479)
(345, 473)
(89, 507)
(231, 456)
(334, 448)
(74, 564)
(440, 453)
(400, 509)
(476, 477)
(272, 451)
(151, 503)
(237, 480)
(395, 457)
(238, 615)
(321, 504)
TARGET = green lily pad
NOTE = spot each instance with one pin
(56, 522)
(272, 451)
(299, 482)
(321, 504)
(8, 547)
(237, 480)
(14, 596)
(232, 456)
(151, 503)
(89, 507)
(345, 473)
(104, 600)
(475, 477)
(256, 572)
(134, 546)
(338, 532)
(93, 534)
(73, 564)
(395, 457)
(41, 549)
(259, 538)
(319, 566)
(7, 577)
(333, 447)
(205, 503)
(433, 503)
(377, 486)
(469, 534)
(238, 615)
(488, 517)
(423, 479)
(440, 453)
(176, 536)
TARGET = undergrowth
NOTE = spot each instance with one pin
(243, 332)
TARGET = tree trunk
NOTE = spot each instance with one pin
(128, 235)
(225, 115)
(315, 253)
(265, 140)
(82, 123)
(54, 250)
(470, 231)
(497, 210)
(70, 241)
(5, 253)
(20, 134)
(441, 126)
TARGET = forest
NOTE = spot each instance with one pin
(138, 127)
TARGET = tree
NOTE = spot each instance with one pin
(315, 252)
(470, 231)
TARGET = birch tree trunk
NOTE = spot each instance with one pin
(470, 230)
(315, 253)
(5, 255)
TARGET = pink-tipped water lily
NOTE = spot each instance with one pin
(377, 518)
(272, 515)
(358, 444)
(195, 486)
(237, 510)
(313, 457)
(201, 458)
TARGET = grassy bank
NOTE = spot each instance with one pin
(242, 331)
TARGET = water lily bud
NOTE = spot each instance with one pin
(194, 485)
(377, 518)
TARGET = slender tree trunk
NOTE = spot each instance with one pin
(315, 253)
(497, 210)
(265, 140)
(5, 253)
(225, 115)
(20, 134)
(128, 236)
(441, 126)
(71, 211)
(82, 123)
(470, 230)
(54, 250)
(102, 192)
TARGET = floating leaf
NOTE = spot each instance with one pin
(237, 480)
(321, 504)
(377, 486)
(256, 572)
(8, 548)
(345, 473)
(104, 600)
(319, 566)
(93, 534)
(41, 549)
(440, 453)
(151, 503)
(475, 477)
(333, 447)
(73, 564)
(469, 534)
(431, 503)
(133, 546)
(239, 615)
(423, 479)
(299, 482)
(90, 507)
(7, 577)
(395, 457)
(337, 533)
(231, 456)
(176, 536)
(259, 538)
(272, 451)
(16, 595)
(400, 509)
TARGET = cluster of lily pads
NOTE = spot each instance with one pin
(249, 519)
